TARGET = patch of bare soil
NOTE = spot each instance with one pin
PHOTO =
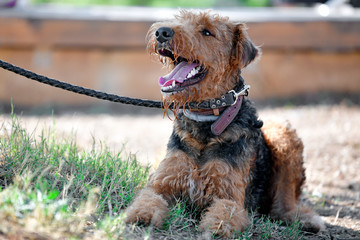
(331, 135)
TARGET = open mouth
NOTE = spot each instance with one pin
(185, 73)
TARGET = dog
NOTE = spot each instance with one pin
(220, 156)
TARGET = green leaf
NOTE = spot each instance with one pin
(53, 194)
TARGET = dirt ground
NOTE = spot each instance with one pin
(331, 136)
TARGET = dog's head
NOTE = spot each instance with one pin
(203, 52)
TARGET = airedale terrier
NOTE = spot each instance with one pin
(223, 159)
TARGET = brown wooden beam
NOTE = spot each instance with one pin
(320, 35)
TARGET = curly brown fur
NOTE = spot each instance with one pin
(245, 167)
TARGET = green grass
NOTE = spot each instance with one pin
(265, 228)
(52, 164)
(52, 189)
(43, 171)
(159, 3)
(153, 3)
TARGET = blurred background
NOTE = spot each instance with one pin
(311, 50)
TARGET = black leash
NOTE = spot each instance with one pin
(78, 89)
(225, 100)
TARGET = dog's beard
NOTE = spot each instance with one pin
(177, 101)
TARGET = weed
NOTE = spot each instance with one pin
(60, 166)
(30, 213)
(265, 228)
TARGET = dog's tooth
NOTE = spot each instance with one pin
(193, 72)
(173, 84)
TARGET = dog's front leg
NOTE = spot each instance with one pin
(166, 183)
(225, 187)
(148, 208)
(224, 217)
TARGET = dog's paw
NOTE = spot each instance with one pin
(223, 218)
(148, 208)
(308, 219)
(312, 224)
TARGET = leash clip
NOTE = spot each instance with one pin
(243, 92)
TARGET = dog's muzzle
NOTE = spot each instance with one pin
(185, 73)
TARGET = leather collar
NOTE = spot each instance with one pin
(229, 104)
(226, 117)
(225, 100)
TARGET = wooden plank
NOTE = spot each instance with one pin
(332, 36)
(72, 33)
(325, 35)
(277, 74)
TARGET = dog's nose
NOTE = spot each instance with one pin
(164, 34)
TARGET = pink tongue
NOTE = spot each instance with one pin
(178, 74)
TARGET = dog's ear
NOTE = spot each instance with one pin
(243, 51)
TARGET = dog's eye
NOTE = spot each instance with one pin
(206, 33)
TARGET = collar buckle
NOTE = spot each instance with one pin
(243, 92)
